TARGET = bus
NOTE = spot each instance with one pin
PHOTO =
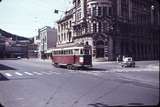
(73, 57)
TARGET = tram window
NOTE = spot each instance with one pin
(71, 51)
(76, 51)
(67, 51)
(81, 51)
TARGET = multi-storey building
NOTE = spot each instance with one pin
(137, 28)
(46, 39)
(113, 28)
(65, 30)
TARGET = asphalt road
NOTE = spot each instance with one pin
(34, 83)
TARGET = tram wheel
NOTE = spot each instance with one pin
(69, 67)
(56, 65)
(74, 68)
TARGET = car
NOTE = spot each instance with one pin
(128, 62)
(18, 57)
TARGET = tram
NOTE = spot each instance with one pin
(73, 57)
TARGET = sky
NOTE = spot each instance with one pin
(25, 17)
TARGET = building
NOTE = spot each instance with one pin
(65, 30)
(113, 28)
(45, 40)
(32, 50)
(137, 29)
(12, 46)
(2, 46)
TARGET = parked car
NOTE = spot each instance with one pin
(128, 62)
(18, 57)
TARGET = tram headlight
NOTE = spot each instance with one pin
(81, 59)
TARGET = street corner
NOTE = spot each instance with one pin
(3, 78)
(5, 67)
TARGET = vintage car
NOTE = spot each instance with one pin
(128, 62)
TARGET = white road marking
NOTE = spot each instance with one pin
(37, 73)
(18, 73)
(28, 73)
(48, 73)
(8, 74)
(57, 73)
(19, 98)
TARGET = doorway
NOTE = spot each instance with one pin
(100, 49)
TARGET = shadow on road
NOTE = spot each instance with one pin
(4, 67)
(98, 105)
(94, 69)
(1, 105)
(3, 78)
(105, 105)
(85, 68)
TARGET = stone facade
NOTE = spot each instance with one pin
(113, 28)
(45, 40)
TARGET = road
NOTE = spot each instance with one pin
(36, 83)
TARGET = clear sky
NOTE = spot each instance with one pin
(24, 17)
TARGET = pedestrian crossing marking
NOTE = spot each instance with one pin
(48, 73)
(8, 74)
(28, 73)
(11, 74)
(37, 73)
(18, 73)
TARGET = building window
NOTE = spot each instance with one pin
(94, 27)
(99, 11)
(94, 11)
(89, 12)
(110, 11)
(105, 11)
(70, 23)
(89, 27)
(79, 2)
(99, 27)
(64, 36)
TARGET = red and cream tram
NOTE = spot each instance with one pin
(73, 57)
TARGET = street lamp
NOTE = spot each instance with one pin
(57, 11)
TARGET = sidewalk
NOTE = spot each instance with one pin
(113, 66)
(140, 66)
(38, 60)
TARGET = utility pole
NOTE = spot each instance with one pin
(43, 49)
